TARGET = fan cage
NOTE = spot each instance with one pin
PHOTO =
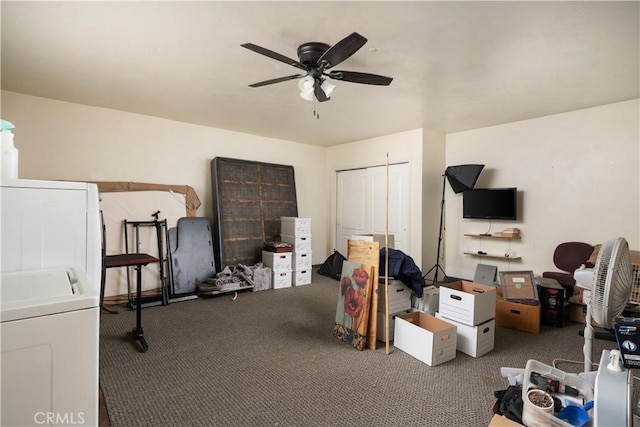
(612, 285)
(634, 296)
(601, 274)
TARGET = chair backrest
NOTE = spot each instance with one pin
(569, 256)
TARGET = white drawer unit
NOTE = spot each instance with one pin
(299, 243)
(301, 277)
(295, 226)
(301, 261)
(281, 279)
(278, 261)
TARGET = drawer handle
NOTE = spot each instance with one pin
(456, 297)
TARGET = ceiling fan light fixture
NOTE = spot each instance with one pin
(307, 95)
(328, 88)
(306, 84)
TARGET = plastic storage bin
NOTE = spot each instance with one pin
(532, 416)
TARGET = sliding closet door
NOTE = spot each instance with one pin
(361, 202)
(352, 206)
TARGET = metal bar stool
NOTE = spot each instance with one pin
(137, 260)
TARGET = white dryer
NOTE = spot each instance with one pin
(49, 338)
(50, 224)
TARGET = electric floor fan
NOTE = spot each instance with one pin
(609, 283)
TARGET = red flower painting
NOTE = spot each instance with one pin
(353, 302)
(361, 277)
(345, 284)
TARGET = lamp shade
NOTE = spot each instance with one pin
(306, 83)
(306, 86)
(307, 95)
(463, 177)
(327, 88)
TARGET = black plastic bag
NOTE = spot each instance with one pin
(332, 266)
(510, 402)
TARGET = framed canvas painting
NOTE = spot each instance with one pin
(354, 300)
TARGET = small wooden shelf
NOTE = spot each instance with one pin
(491, 236)
(496, 256)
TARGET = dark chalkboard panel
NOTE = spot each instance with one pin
(249, 198)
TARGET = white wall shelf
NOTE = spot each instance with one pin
(495, 256)
(491, 236)
(503, 256)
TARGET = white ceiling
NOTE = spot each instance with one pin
(456, 65)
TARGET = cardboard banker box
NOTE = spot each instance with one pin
(513, 315)
(428, 339)
(467, 302)
(475, 341)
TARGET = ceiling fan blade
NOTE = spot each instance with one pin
(273, 55)
(342, 50)
(364, 78)
(319, 93)
(278, 80)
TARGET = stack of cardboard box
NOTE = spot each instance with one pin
(399, 302)
(471, 307)
(297, 232)
(280, 264)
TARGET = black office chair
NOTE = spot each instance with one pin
(135, 260)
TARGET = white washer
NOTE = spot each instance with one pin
(49, 348)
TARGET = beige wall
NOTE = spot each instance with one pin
(433, 161)
(64, 141)
(401, 147)
(577, 172)
(577, 176)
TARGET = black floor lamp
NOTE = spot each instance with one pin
(461, 178)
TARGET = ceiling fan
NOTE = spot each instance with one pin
(316, 59)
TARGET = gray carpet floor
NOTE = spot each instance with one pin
(269, 359)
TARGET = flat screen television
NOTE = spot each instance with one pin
(490, 203)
